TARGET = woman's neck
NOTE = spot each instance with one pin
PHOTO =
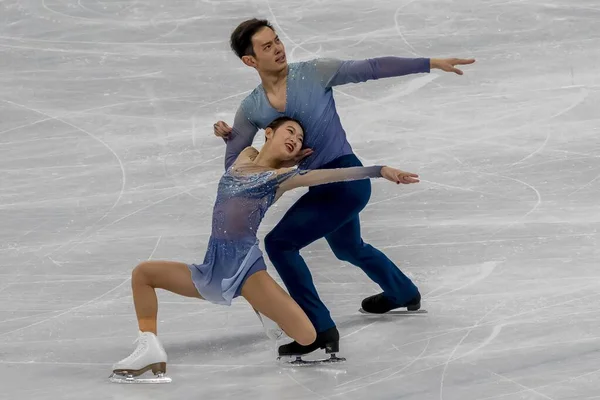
(264, 159)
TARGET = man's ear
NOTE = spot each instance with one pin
(249, 61)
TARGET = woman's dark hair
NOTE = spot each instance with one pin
(277, 122)
(241, 38)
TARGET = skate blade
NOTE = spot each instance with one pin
(396, 312)
(130, 379)
(297, 361)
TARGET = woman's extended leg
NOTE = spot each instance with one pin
(150, 353)
(268, 298)
(150, 275)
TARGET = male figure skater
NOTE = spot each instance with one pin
(303, 91)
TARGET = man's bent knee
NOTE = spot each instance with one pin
(347, 254)
(275, 244)
(270, 242)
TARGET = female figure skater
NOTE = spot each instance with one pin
(233, 264)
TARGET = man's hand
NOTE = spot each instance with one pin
(302, 154)
(222, 130)
(447, 64)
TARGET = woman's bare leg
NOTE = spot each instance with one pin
(150, 275)
(268, 298)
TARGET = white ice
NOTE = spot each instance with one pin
(107, 158)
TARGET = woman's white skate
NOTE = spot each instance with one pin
(273, 331)
(148, 355)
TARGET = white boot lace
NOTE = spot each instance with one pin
(142, 344)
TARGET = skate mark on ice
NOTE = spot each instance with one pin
(76, 279)
(444, 364)
(536, 151)
(358, 330)
(87, 303)
(486, 241)
(486, 139)
(537, 204)
(527, 388)
(495, 332)
(567, 380)
(583, 95)
(458, 345)
(400, 370)
(437, 289)
(399, 31)
(145, 208)
(65, 312)
(558, 160)
(495, 195)
(304, 386)
(577, 290)
(496, 321)
(486, 270)
(155, 203)
(119, 161)
(549, 345)
(28, 316)
(128, 103)
(397, 197)
(418, 357)
(584, 186)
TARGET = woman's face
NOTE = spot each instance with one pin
(286, 141)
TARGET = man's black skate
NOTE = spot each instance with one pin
(328, 340)
(381, 304)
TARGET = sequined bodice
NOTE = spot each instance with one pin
(242, 201)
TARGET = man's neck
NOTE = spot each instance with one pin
(272, 82)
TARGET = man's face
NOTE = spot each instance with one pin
(269, 51)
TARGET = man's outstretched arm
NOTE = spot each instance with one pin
(338, 72)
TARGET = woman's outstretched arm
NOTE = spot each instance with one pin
(324, 176)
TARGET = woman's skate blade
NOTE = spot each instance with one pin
(129, 378)
(159, 378)
(141, 376)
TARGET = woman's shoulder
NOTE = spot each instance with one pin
(250, 150)
(247, 155)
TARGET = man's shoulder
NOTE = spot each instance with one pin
(252, 99)
(316, 69)
(315, 62)
(303, 65)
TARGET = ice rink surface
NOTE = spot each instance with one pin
(107, 158)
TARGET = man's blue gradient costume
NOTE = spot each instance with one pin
(329, 211)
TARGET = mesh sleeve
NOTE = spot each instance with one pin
(298, 178)
(334, 72)
(242, 135)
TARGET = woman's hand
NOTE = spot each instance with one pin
(302, 154)
(398, 176)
